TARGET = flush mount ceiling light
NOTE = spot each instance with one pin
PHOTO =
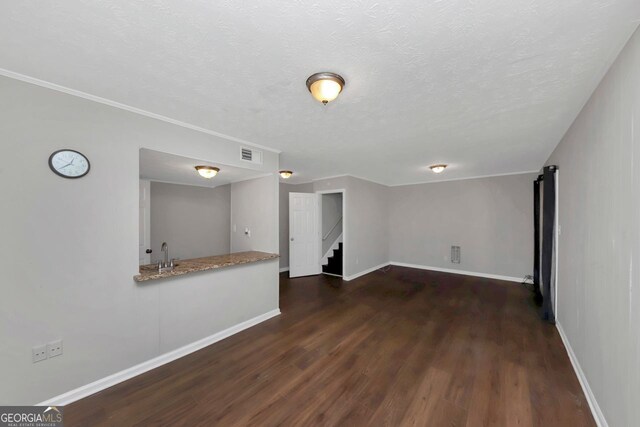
(285, 174)
(207, 171)
(437, 168)
(325, 87)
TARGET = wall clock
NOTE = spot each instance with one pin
(69, 164)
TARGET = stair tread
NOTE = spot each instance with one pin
(334, 262)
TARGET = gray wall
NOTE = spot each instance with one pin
(254, 204)
(194, 221)
(331, 215)
(491, 219)
(366, 222)
(599, 243)
(70, 247)
(285, 189)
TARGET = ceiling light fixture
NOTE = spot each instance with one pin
(285, 174)
(207, 171)
(325, 87)
(437, 168)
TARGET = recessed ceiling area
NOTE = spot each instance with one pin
(486, 87)
(173, 169)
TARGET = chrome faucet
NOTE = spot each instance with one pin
(165, 265)
(165, 248)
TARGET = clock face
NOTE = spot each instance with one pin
(69, 164)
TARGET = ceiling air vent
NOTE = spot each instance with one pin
(250, 155)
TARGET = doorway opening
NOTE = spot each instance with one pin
(332, 232)
(317, 233)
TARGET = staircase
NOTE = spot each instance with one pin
(333, 263)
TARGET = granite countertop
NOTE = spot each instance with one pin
(186, 266)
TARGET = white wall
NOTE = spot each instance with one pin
(599, 244)
(194, 221)
(254, 205)
(491, 219)
(69, 248)
(285, 189)
(365, 222)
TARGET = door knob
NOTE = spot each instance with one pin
(292, 239)
(148, 251)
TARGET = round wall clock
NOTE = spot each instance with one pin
(69, 164)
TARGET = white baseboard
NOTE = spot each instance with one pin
(454, 271)
(593, 403)
(367, 271)
(283, 269)
(443, 270)
(118, 377)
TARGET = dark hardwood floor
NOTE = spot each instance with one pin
(405, 347)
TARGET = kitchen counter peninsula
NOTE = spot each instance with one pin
(186, 266)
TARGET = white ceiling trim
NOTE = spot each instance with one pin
(281, 181)
(468, 177)
(105, 101)
(264, 175)
(421, 182)
(347, 174)
(162, 181)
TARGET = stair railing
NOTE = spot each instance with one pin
(326, 236)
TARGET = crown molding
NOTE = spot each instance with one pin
(466, 178)
(105, 101)
(426, 182)
(351, 176)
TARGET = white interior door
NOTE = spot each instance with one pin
(304, 234)
(144, 228)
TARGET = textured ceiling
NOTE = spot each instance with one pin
(487, 86)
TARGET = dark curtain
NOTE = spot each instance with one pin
(536, 240)
(548, 222)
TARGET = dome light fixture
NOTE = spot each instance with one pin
(325, 86)
(207, 171)
(285, 174)
(437, 168)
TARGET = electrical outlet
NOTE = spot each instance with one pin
(54, 348)
(455, 254)
(39, 353)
